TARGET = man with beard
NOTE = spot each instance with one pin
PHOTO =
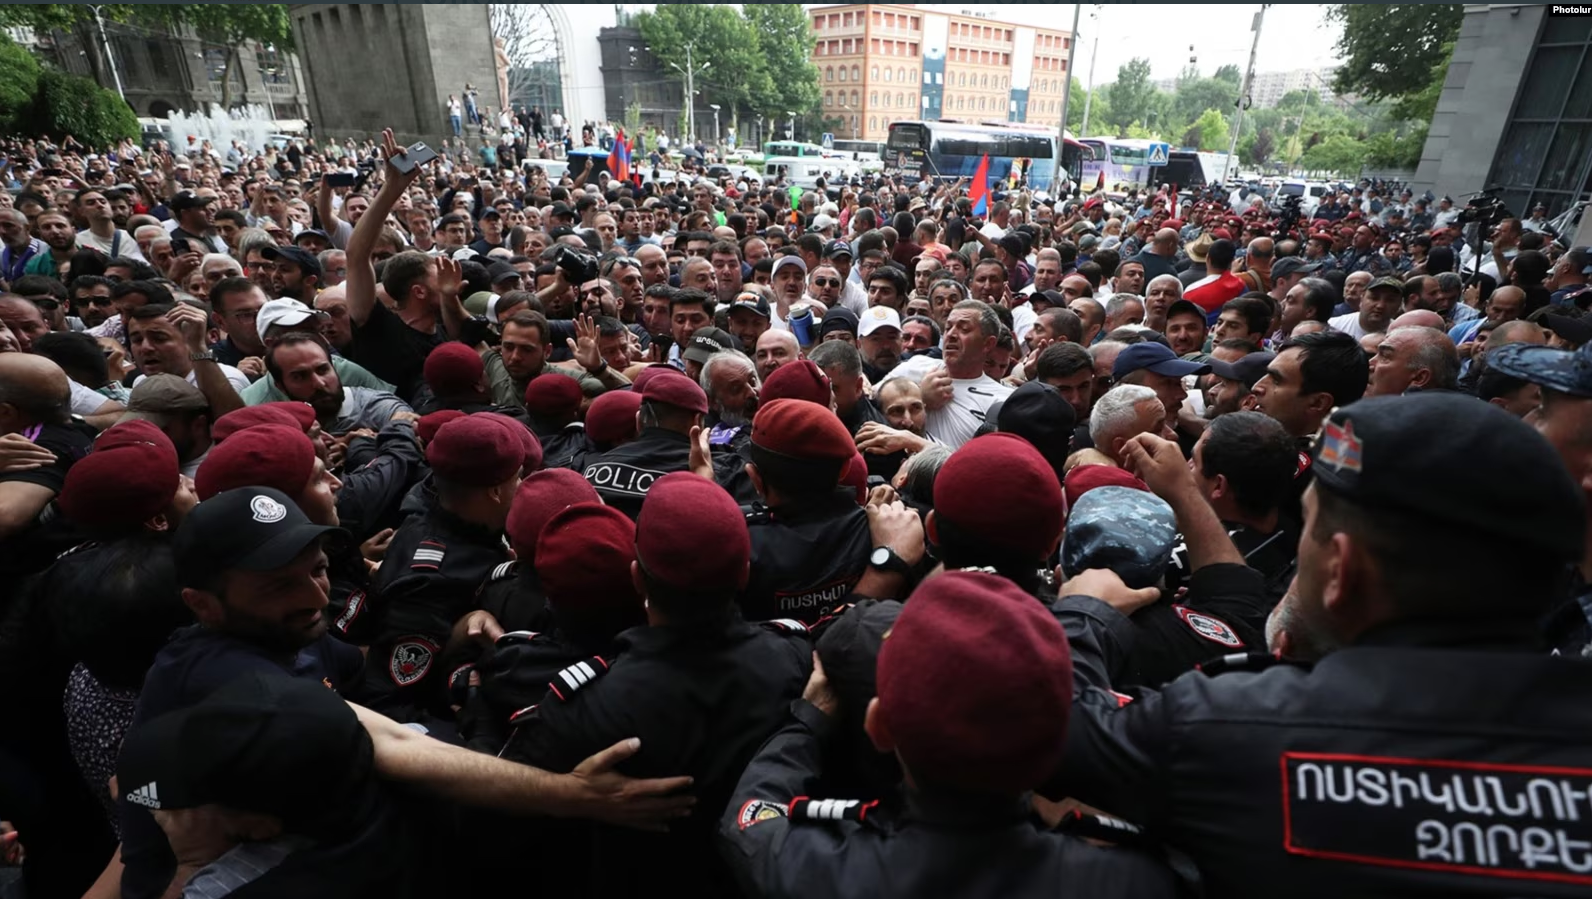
(297, 274)
(300, 364)
(55, 229)
(879, 338)
(730, 380)
(1232, 384)
(91, 299)
(196, 221)
(20, 247)
(171, 339)
(824, 284)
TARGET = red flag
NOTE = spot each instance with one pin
(618, 158)
(979, 193)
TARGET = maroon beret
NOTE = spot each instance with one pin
(122, 486)
(426, 427)
(800, 380)
(132, 432)
(300, 415)
(540, 497)
(475, 451)
(675, 390)
(1085, 478)
(583, 560)
(1000, 486)
(856, 477)
(650, 372)
(553, 395)
(611, 418)
(975, 685)
(691, 535)
(278, 456)
(452, 369)
(528, 441)
(802, 430)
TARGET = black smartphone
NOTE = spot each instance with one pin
(340, 179)
(417, 155)
(181, 246)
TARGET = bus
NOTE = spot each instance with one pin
(1124, 162)
(947, 151)
(1193, 170)
(791, 148)
(869, 154)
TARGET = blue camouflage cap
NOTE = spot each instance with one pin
(1127, 531)
(1567, 371)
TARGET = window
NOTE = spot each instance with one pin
(829, 98)
(873, 74)
(981, 103)
(873, 98)
(901, 99)
(877, 20)
(854, 96)
(1546, 153)
(983, 81)
(873, 122)
(856, 73)
(887, 74)
(846, 21)
(961, 79)
(842, 73)
(901, 74)
(821, 49)
(834, 21)
(158, 61)
(829, 73)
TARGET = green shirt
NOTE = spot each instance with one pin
(350, 373)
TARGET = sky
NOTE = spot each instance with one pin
(1292, 37)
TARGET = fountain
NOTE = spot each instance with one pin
(252, 125)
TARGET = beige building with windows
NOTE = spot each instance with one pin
(881, 63)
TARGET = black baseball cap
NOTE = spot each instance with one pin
(752, 301)
(839, 319)
(1182, 306)
(1379, 454)
(304, 259)
(312, 232)
(501, 271)
(1576, 330)
(838, 248)
(1289, 265)
(187, 199)
(1156, 357)
(246, 528)
(707, 342)
(1038, 413)
(267, 742)
(1246, 371)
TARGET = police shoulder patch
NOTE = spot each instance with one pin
(428, 556)
(356, 604)
(578, 675)
(504, 571)
(411, 660)
(803, 808)
(1210, 627)
(759, 810)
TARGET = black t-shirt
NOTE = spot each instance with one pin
(884, 465)
(31, 549)
(393, 351)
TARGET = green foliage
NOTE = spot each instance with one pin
(1210, 131)
(1393, 51)
(1261, 146)
(1339, 154)
(19, 81)
(71, 104)
(784, 43)
(1230, 74)
(1132, 96)
(1195, 96)
(722, 50)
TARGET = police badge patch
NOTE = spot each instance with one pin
(756, 810)
(1212, 629)
(410, 661)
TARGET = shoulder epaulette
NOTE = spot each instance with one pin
(515, 638)
(576, 676)
(785, 626)
(428, 556)
(756, 513)
(803, 808)
(1243, 661)
(503, 571)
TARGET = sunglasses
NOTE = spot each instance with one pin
(826, 282)
(45, 304)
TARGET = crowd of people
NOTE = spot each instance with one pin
(380, 529)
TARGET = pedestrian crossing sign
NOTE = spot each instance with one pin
(1158, 153)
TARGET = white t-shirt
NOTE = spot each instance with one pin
(238, 379)
(1348, 324)
(121, 244)
(992, 231)
(1023, 318)
(955, 423)
(86, 401)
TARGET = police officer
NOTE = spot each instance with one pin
(436, 562)
(671, 405)
(811, 543)
(700, 687)
(1404, 762)
(552, 403)
(975, 726)
(513, 593)
(799, 380)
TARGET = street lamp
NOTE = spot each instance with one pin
(792, 116)
(715, 108)
(689, 70)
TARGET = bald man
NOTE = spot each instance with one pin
(1159, 257)
(35, 400)
(775, 348)
(1413, 358)
(1416, 318)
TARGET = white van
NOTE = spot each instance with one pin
(801, 171)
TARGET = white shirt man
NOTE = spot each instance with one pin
(956, 422)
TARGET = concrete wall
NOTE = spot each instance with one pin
(372, 66)
(1484, 76)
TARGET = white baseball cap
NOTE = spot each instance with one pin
(785, 261)
(876, 317)
(282, 313)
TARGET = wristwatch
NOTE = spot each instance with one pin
(602, 366)
(206, 356)
(885, 559)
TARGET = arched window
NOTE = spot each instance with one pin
(887, 74)
(829, 73)
(829, 98)
(855, 101)
(842, 73)
(983, 81)
(915, 76)
(856, 73)
(873, 73)
(873, 122)
(961, 79)
(901, 74)
(981, 103)
(901, 99)
(873, 98)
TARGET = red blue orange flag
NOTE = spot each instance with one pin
(979, 193)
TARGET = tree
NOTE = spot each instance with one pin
(526, 31)
(1392, 51)
(1210, 131)
(1194, 97)
(19, 81)
(1132, 95)
(71, 104)
(788, 80)
(1339, 154)
(1260, 151)
(722, 50)
(230, 25)
(1230, 74)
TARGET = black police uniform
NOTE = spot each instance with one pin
(374, 482)
(427, 582)
(807, 556)
(196, 663)
(778, 845)
(1157, 643)
(513, 594)
(701, 701)
(514, 677)
(883, 465)
(1273, 555)
(562, 447)
(624, 474)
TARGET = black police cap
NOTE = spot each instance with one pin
(246, 528)
(1406, 454)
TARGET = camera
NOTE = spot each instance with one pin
(578, 267)
(1289, 214)
(1486, 208)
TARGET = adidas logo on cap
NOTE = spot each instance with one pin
(145, 795)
